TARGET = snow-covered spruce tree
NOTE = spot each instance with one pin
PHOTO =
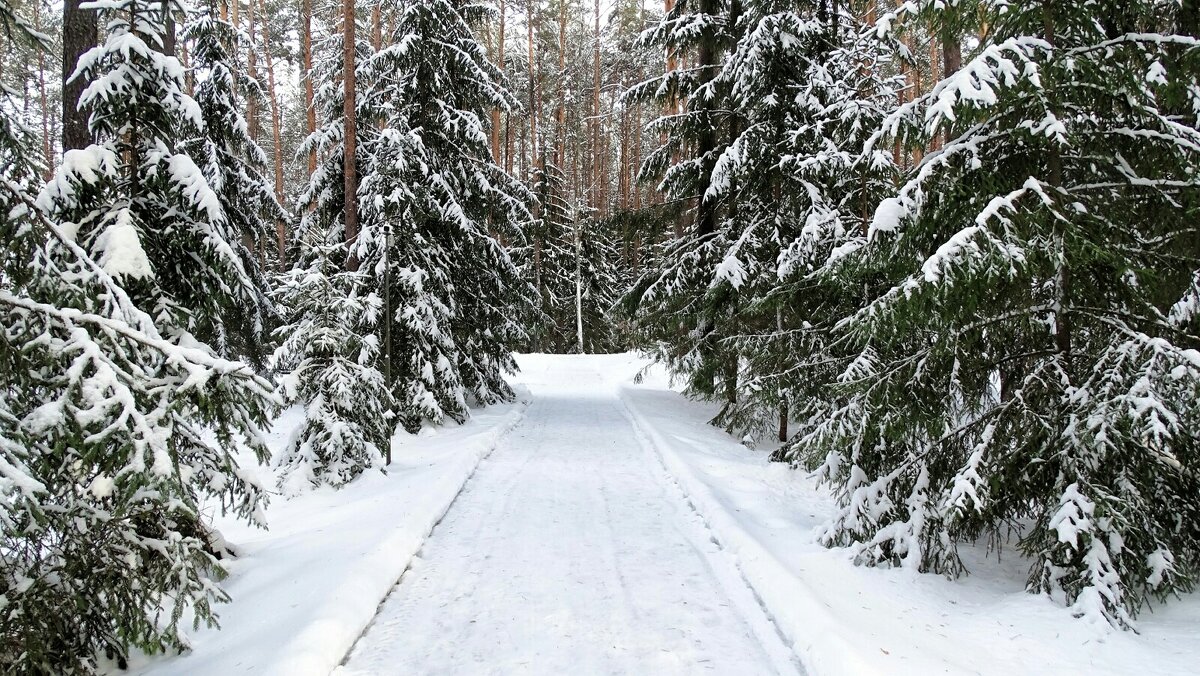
(1033, 363)
(234, 166)
(328, 345)
(682, 313)
(118, 422)
(808, 86)
(575, 269)
(432, 196)
(153, 219)
(329, 352)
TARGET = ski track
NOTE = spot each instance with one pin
(570, 552)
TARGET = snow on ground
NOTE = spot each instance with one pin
(303, 591)
(613, 531)
(844, 619)
(569, 552)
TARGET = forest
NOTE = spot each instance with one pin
(943, 255)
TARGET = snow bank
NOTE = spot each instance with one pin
(305, 590)
(843, 619)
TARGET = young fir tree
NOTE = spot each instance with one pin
(1032, 361)
(234, 165)
(112, 434)
(434, 197)
(330, 353)
(683, 312)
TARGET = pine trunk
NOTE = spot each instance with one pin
(277, 143)
(79, 35)
(310, 110)
(496, 111)
(349, 163)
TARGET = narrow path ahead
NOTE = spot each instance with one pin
(570, 553)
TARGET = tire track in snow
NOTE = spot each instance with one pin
(725, 565)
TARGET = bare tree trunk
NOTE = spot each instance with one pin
(169, 29)
(596, 153)
(560, 115)
(47, 146)
(306, 75)
(533, 112)
(637, 141)
(79, 35)
(349, 156)
(500, 65)
(252, 122)
(277, 142)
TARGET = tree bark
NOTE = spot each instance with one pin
(706, 212)
(252, 121)
(79, 35)
(349, 149)
(306, 75)
(47, 146)
(500, 65)
(560, 115)
(533, 112)
(277, 142)
(597, 154)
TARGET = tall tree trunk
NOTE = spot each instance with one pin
(168, 29)
(47, 146)
(533, 112)
(310, 110)
(560, 115)
(252, 121)
(277, 143)
(500, 65)
(350, 151)
(79, 35)
(596, 152)
(706, 212)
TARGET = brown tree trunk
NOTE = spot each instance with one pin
(79, 35)
(349, 152)
(169, 30)
(47, 146)
(500, 65)
(596, 153)
(252, 121)
(277, 142)
(310, 110)
(533, 112)
(560, 115)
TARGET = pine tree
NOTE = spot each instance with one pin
(329, 352)
(1031, 358)
(436, 196)
(120, 424)
(233, 164)
(811, 85)
(682, 311)
(576, 272)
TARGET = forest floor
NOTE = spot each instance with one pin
(606, 529)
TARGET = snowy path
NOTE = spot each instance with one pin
(569, 552)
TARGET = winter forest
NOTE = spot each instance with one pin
(936, 260)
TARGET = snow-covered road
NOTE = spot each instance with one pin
(569, 551)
